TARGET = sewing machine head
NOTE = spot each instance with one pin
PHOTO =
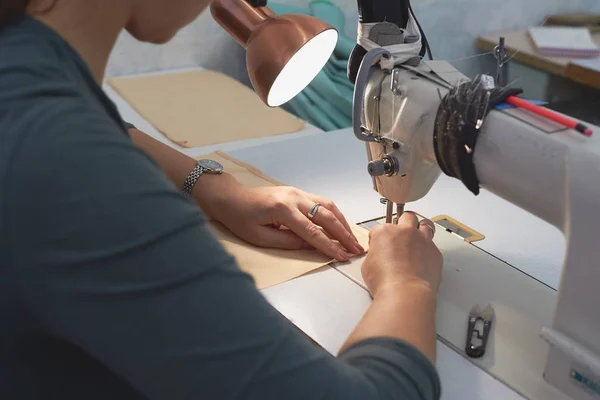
(418, 117)
(396, 99)
(418, 120)
(395, 115)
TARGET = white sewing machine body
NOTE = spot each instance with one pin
(552, 175)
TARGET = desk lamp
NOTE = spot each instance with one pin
(284, 53)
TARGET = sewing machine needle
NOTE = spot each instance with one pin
(389, 211)
(399, 212)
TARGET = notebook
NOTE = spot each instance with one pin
(562, 41)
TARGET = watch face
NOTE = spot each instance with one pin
(211, 165)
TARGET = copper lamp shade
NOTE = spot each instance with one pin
(284, 53)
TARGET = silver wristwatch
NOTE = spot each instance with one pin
(208, 166)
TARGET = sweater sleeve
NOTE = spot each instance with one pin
(114, 260)
(394, 366)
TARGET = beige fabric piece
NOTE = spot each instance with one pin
(201, 108)
(268, 267)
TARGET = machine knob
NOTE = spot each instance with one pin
(385, 166)
(377, 167)
(388, 165)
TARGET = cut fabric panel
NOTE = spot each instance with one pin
(201, 108)
(268, 267)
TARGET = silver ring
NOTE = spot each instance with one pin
(432, 228)
(313, 210)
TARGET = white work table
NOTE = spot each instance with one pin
(325, 304)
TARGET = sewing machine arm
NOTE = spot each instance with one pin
(554, 176)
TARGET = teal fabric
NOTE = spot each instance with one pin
(327, 101)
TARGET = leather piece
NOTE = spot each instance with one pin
(268, 267)
(202, 108)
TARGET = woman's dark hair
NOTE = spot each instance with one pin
(11, 10)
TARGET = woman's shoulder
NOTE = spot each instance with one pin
(44, 87)
(43, 98)
(27, 47)
(40, 110)
(48, 121)
(32, 82)
(36, 64)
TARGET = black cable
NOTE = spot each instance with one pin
(427, 48)
(373, 11)
(458, 122)
(385, 11)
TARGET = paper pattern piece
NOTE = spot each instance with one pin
(201, 108)
(268, 267)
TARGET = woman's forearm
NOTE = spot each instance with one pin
(405, 312)
(252, 213)
(177, 166)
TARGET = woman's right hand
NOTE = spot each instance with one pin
(402, 254)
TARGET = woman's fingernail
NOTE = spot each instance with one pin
(342, 256)
(359, 247)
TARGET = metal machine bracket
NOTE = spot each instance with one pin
(469, 235)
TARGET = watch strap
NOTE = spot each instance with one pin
(192, 178)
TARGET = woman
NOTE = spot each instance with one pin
(112, 286)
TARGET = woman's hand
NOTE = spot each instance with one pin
(403, 254)
(277, 217)
(267, 216)
(402, 271)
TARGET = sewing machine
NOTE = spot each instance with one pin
(397, 111)
(543, 169)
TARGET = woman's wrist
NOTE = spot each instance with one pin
(211, 190)
(413, 288)
(412, 306)
(401, 310)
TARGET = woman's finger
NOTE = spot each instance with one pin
(427, 228)
(408, 218)
(267, 236)
(311, 233)
(330, 205)
(333, 227)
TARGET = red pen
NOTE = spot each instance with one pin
(551, 115)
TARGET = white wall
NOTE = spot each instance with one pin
(453, 25)
(450, 25)
(201, 43)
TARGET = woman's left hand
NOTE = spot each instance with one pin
(278, 217)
